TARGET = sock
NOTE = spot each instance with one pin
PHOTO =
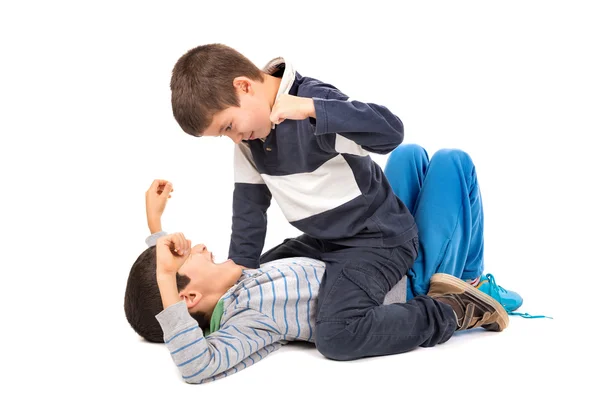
(473, 282)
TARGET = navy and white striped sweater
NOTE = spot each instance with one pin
(319, 172)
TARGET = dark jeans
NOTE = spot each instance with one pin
(352, 321)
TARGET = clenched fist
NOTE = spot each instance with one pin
(171, 252)
(156, 200)
(292, 107)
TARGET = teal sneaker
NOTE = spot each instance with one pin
(510, 300)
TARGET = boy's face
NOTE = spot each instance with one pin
(197, 268)
(197, 262)
(208, 281)
(249, 121)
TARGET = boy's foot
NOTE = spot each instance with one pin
(472, 307)
(510, 300)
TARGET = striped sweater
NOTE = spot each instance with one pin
(320, 173)
(266, 308)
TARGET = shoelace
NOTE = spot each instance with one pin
(527, 315)
(495, 288)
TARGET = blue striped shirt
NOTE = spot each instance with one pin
(265, 309)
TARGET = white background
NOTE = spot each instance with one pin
(86, 125)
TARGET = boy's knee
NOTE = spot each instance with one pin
(452, 156)
(409, 151)
(406, 153)
(332, 341)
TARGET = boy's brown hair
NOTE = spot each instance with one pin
(202, 84)
(143, 301)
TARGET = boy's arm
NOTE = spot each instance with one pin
(371, 126)
(156, 199)
(251, 199)
(349, 124)
(246, 338)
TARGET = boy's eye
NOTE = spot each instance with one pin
(228, 127)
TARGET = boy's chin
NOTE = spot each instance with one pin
(226, 262)
(262, 135)
(231, 263)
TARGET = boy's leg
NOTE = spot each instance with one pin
(405, 169)
(352, 322)
(449, 215)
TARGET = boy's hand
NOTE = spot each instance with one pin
(171, 251)
(292, 107)
(156, 200)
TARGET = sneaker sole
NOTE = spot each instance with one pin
(455, 283)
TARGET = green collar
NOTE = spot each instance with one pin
(215, 319)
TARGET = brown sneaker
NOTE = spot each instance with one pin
(473, 308)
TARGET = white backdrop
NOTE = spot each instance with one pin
(86, 125)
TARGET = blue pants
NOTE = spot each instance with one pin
(443, 195)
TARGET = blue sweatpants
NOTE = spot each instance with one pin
(443, 196)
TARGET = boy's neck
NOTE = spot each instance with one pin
(271, 85)
(229, 273)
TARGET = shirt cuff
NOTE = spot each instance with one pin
(152, 239)
(175, 318)
(321, 114)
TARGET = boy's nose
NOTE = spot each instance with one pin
(200, 248)
(236, 137)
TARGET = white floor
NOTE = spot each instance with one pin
(86, 125)
(523, 360)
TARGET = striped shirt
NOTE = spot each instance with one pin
(320, 173)
(265, 309)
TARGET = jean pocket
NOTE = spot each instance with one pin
(415, 243)
(367, 282)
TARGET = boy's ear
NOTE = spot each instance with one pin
(243, 84)
(191, 298)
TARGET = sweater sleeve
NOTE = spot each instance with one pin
(371, 126)
(152, 239)
(244, 339)
(251, 200)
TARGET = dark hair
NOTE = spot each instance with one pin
(143, 301)
(202, 84)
